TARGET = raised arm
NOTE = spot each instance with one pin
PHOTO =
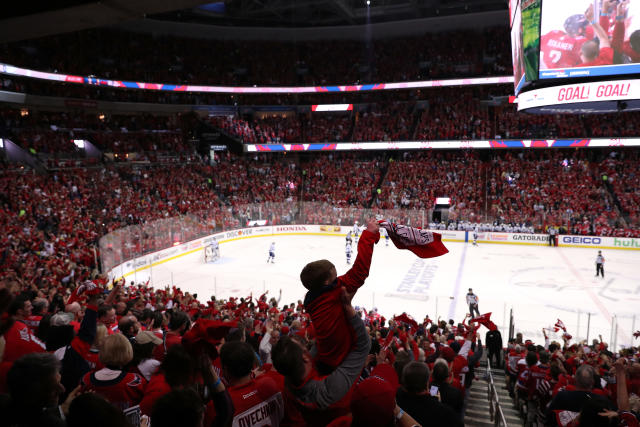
(597, 28)
(355, 277)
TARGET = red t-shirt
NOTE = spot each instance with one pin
(334, 335)
(605, 57)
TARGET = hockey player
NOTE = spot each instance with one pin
(272, 253)
(383, 232)
(600, 264)
(356, 231)
(348, 251)
(561, 49)
(475, 236)
(216, 248)
(348, 238)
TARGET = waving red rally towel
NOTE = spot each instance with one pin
(423, 243)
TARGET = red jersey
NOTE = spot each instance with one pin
(334, 335)
(537, 383)
(460, 369)
(20, 341)
(560, 50)
(33, 322)
(512, 361)
(156, 388)
(124, 390)
(257, 403)
(171, 339)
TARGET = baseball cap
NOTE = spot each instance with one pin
(374, 399)
(145, 337)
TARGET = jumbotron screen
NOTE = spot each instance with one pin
(587, 38)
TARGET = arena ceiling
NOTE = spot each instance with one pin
(297, 13)
(37, 19)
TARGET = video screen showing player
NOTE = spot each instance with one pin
(589, 38)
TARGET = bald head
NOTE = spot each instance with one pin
(73, 308)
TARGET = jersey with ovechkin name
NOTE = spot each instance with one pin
(258, 403)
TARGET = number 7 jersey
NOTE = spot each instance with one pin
(560, 50)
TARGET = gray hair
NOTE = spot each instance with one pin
(585, 377)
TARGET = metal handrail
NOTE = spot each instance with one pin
(494, 401)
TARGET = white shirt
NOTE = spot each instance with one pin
(272, 248)
(148, 367)
(472, 299)
(599, 259)
(348, 249)
(265, 348)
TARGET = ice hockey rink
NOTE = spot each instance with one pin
(541, 284)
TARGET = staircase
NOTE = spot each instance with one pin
(478, 413)
(383, 175)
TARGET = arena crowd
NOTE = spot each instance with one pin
(86, 348)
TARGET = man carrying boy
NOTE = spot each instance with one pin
(334, 335)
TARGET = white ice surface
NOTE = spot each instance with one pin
(541, 284)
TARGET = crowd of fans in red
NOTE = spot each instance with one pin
(52, 134)
(445, 114)
(76, 349)
(581, 192)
